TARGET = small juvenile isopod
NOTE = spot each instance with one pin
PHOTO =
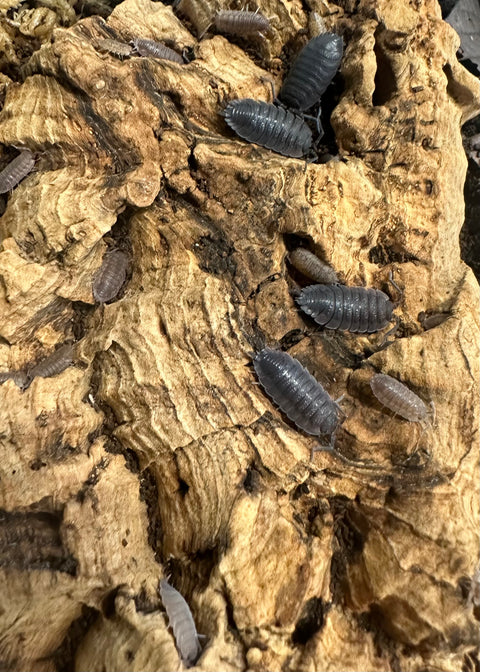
(114, 47)
(110, 277)
(241, 22)
(296, 392)
(269, 126)
(312, 71)
(16, 170)
(311, 266)
(54, 364)
(182, 623)
(156, 50)
(356, 309)
(398, 397)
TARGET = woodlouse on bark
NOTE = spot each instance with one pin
(54, 364)
(16, 170)
(269, 126)
(398, 398)
(114, 47)
(312, 267)
(356, 309)
(296, 392)
(182, 623)
(20, 378)
(241, 22)
(110, 277)
(156, 50)
(312, 71)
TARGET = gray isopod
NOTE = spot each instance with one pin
(182, 623)
(312, 71)
(54, 364)
(269, 126)
(156, 50)
(296, 392)
(16, 170)
(114, 47)
(110, 277)
(20, 378)
(357, 309)
(241, 22)
(398, 397)
(311, 266)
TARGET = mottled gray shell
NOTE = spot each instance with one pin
(16, 170)
(398, 397)
(312, 71)
(182, 623)
(269, 126)
(114, 47)
(54, 364)
(356, 309)
(110, 276)
(156, 50)
(241, 22)
(296, 392)
(312, 267)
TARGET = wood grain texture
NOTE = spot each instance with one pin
(157, 454)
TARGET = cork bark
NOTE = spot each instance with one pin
(157, 454)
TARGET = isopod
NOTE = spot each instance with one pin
(312, 267)
(296, 392)
(16, 170)
(269, 126)
(110, 276)
(241, 22)
(398, 397)
(312, 71)
(114, 47)
(19, 378)
(54, 364)
(156, 50)
(182, 623)
(356, 309)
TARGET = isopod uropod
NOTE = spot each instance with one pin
(110, 277)
(269, 126)
(241, 22)
(296, 392)
(182, 623)
(355, 309)
(312, 71)
(398, 397)
(311, 266)
(16, 170)
(156, 50)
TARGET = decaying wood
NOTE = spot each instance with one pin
(158, 454)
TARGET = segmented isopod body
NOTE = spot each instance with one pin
(398, 397)
(311, 266)
(312, 71)
(156, 50)
(18, 377)
(269, 126)
(16, 170)
(296, 392)
(54, 364)
(357, 309)
(182, 623)
(241, 22)
(115, 47)
(110, 276)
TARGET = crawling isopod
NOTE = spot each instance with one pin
(296, 392)
(19, 378)
(269, 126)
(110, 276)
(114, 47)
(182, 623)
(398, 398)
(16, 170)
(241, 22)
(54, 364)
(311, 266)
(357, 309)
(156, 50)
(312, 71)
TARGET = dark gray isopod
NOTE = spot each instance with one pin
(241, 22)
(357, 309)
(398, 397)
(110, 276)
(269, 126)
(156, 50)
(57, 362)
(296, 392)
(312, 71)
(16, 170)
(311, 266)
(182, 623)
(20, 378)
